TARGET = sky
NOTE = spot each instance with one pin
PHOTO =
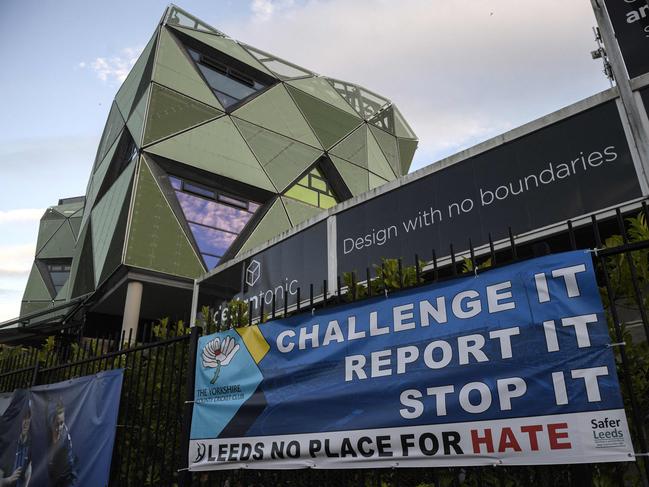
(460, 72)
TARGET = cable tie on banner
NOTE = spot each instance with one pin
(182, 469)
(618, 344)
(639, 454)
(385, 291)
(313, 311)
(475, 271)
(594, 251)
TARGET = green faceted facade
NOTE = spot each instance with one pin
(211, 148)
(58, 231)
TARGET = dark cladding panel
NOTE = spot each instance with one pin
(573, 167)
(630, 19)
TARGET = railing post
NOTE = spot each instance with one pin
(184, 476)
(37, 366)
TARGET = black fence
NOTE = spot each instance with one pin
(147, 445)
(157, 395)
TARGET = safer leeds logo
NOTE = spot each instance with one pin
(219, 353)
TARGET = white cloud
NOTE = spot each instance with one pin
(21, 215)
(114, 69)
(460, 72)
(15, 264)
(9, 303)
(16, 260)
(264, 10)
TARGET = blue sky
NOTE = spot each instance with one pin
(461, 72)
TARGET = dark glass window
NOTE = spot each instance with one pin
(59, 274)
(215, 219)
(228, 84)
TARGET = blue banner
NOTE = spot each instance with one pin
(61, 435)
(510, 366)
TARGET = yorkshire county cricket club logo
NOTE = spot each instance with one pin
(219, 353)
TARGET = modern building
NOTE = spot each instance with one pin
(211, 148)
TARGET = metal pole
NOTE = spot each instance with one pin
(194, 311)
(639, 133)
(184, 476)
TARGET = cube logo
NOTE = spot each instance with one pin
(253, 273)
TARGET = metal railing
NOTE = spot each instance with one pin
(156, 403)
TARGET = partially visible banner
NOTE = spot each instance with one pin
(5, 400)
(512, 366)
(630, 19)
(61, 435)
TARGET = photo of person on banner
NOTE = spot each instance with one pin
(15, 446)
(23, 462)
(62, 461)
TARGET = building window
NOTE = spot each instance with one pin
(215, 219)
(59, 274)
(313, 189)
(228, 84)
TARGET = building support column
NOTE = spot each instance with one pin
(132, 310)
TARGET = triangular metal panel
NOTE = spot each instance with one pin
(388, 144)
(96, 181)
(62, 295)
(282, 158)
(328, 122)
(299, 212)
(135, 122)
(114, 126)
(217, 147)
(401, 127)
(226, 46)
(376, 161)
(174, 69)
(60, 245)
(353, 148)
(376, 181)
(275, 110)
(82, 274)
(114, 256)
(36, 289)
(355, 178)
(33, 306)
(407, 150)
(125, 154)
(170, 112)
(104, 218)
(320, 88)
(46, 230)
(127, 93)
(274, 222)
(156, 240)
(52, 214)
(75, 224)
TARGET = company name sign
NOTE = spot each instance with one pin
(281, 271)
(512, 367)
